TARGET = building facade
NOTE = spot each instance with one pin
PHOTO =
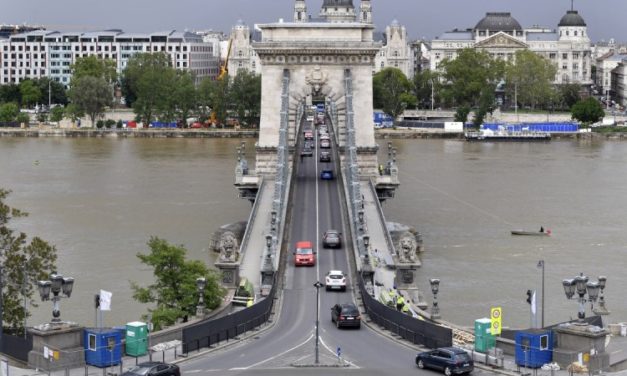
(43, 53)
(619, 83)
(501, 36)
(605, 65)
(242, 56)
(396, 51)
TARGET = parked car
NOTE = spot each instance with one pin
(306, 152)
(308, 135)
(335, 280)
(450, 360)
(326, 175)
(324, 136)
(325, 156)
(304, 255)
(325, 143)
(154, 369)
(332, 239)
(345, 315)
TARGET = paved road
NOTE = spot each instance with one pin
(316, 208)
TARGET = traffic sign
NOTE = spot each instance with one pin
(495, 320)
(339, 351)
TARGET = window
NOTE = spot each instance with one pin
(552, 55)
(564, 56)
(544, 342)
(575, 55)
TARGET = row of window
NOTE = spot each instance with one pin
(21, 56)
(24, 64)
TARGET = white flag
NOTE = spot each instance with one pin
(533, 302)
(105, 300)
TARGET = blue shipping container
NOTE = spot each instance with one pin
(551, 127)
(534, 348)
(103, 347)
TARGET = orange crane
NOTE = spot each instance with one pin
(224, 71)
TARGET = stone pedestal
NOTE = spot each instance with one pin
(66, 343)
(230, 273)
(587, 340)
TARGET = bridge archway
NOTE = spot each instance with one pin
(317, 56)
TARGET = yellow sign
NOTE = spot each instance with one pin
(495, 321)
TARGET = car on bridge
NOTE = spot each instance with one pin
(335, 280)
(308, 134)
(332, 239)
(327, 175)
(325, 156)
(154, 369)
(304, 254)
(306, 152)
(346, 315)
(325, 143)
(450, 360)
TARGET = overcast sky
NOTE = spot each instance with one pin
(423, 18)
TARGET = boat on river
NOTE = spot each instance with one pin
(531, 233)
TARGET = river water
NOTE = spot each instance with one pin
(99, 201)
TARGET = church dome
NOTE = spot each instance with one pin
(338, 3)
(572, 18)
(499, 21)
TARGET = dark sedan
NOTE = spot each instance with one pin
(450, 360)
(346, 315)
(154, 369)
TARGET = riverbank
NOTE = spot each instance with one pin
(254, 133)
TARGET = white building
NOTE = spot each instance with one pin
(242, 55)
(605, 65)
(396, 51)
(501, 36)
(44, 53)
(619, 83)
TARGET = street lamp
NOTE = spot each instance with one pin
(435, 287)
(541, 265)
(317, 285)
(201, 283)
(600, 309)
(59, 286)
(580, 285)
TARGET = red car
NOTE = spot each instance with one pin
(304, 254)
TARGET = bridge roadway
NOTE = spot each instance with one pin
(316, 208)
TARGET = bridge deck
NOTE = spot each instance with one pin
(250, 266)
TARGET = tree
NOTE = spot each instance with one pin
(74, 112)
(531, 75)
(426, 83)
(58, 94)
(174, 293)
(23, 264)
(392, 92)
(91, 95)
(23, 118)
(205, 97)
(94, 66)
(29, 92)
(588, 111)
(246, 96)
(569, 94)
(470, 78)
(56, 113)
(8, 112)
(185, 95)
(10, 93)
(221, 99)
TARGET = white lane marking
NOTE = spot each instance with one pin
(334, 353)
(272, 357)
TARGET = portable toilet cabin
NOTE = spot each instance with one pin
(103, 347)
(136, 338)
(534, 348)
(484, 340)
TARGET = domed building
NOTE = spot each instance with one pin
(501, 35)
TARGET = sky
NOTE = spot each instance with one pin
(422, 18)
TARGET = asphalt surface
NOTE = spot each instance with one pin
(289, 347)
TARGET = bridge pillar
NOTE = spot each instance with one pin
(230, 273)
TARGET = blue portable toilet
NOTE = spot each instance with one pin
(534, 348)
(103, 347)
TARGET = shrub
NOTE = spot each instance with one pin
(100, 124)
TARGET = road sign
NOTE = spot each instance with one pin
(339, 351)
(495, 320)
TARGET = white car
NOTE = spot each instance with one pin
(335, 280)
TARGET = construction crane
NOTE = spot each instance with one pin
(224, 68)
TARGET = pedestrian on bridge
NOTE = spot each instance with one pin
(250, 302)
(400, 302)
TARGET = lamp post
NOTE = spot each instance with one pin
(317, 285)
(59, 286)
(201, 283)
(601, 309)
(432, 94)
(1, 314)
(580, 285)
(541, 265)
(435, 287)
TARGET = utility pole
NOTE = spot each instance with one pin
(432, 94)
(541, 265)
(317, 285)
(1, 308)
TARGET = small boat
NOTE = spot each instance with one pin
(531, 233)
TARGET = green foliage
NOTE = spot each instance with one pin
(427, 82)
(148, 79)
(531, 75)
(93, 66)
(392, 92)
(245, 95)
(588, 111)
(174, 293)
(470, 78)
(461, 114)
(29, 92)
(569, 94)
(100, 124)
(220, 99)
(119, 124)
(42, 117)
(8, 112)
(23, 118)
(74, 112)
(58, 94)
(23, 264)
(109, 123)
(10, 93)
(56, 113)
(205, 97)
(91, 95)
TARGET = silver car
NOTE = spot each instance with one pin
(332, 239)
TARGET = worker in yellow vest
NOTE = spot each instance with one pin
(250, 302)
(400, 302)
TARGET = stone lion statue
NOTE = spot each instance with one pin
(229, 247)
(408, 247)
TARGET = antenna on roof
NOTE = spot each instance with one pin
(572, 5)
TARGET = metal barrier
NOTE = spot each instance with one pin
(212, 332)
(17, 347)
(416, 331)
